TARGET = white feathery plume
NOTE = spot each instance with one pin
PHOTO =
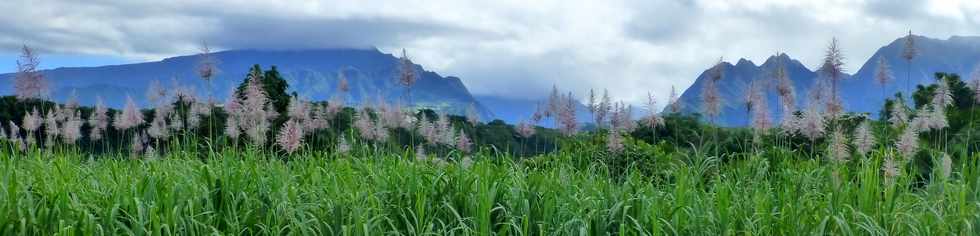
(197, 110)
(675, 106)
(593, 102)
(380, 133)
(72, 102)
(207, 64)
(539, 114)
(181, 92)
(812, 124)
(444, 129)
(837, 150)
(32, 121)
(943, 96)
(98, 119)
(909, 51)
(525, 129)
(946, 166)
(256, 111)
(566, 116)
(554, 102)
(908, 143)
(818, 92)
(364, 125)
(864, 140)
(320, 119)
(749, 94)
(234, 109)
(51, 129)
(937, 119)
(620, 118)
(298, 110)
(467, 162)
(791, 124)
(406, 71)
(130, 116)
(332, 109)
(614, 142)
(231, 128)
(28, 82)
(393, 116)
(899, 114)
(974, 83)
(428, 131)
(71, 130)
(177, 124)
(158, 127)
(342, 84)
(835, 107)
(290, 137)
(833, 69)
(883, 74)
(653, 119)
(921, 122)
(155, 92)
(710, 99)
(603, 108)
(760, 111)
(472, 114)
(15, 136)
(136, 145)
(100, 108)
(342, 146)
(785, 89)
(890, 170)
(463, 142)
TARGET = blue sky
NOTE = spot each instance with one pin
(511, 48)
(8, 61)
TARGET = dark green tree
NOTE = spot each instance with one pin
(273, 84)
(962, 95)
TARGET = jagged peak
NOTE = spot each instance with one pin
(783, 58)
(779, 57)
(742, 62)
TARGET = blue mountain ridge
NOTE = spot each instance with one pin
(859, 92)
(311, 73)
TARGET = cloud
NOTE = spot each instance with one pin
(510, 48)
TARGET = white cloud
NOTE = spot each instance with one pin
(511, 48)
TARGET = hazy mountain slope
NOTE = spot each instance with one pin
(859, 92)
(311, 73)
(737, 78)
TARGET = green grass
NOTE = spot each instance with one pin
(570, 192)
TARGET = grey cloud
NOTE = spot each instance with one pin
(663, 21)
(895, 10)
(270, 32)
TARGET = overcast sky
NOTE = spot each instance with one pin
(509, 48)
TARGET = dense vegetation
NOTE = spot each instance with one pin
(772, 191)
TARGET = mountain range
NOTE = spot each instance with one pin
(312, 74)
(859, 92)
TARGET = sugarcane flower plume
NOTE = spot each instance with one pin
(290, 137)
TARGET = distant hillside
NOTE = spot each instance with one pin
(859, 92)
(737, 78)
(957, 55)
(513, 110)
(311, 73)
